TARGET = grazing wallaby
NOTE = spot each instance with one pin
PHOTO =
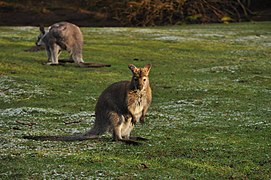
(62, 36)
(119, 108)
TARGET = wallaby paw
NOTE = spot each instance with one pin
(133, 123)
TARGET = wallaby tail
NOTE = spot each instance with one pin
(93, 133)
(79, 137)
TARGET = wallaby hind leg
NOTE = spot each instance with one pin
(117, 123)
(49, 54)
(77, 57)
(58, 54)
(54, 49)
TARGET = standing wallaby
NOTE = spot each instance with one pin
(62, 36)
(119, 108)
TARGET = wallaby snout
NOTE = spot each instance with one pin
(37, 43)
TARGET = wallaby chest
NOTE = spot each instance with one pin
(136, 103)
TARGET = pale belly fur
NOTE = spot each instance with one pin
(127, 126)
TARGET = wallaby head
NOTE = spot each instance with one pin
(140, 79)
(42, 34)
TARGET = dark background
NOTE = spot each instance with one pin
(131, 13)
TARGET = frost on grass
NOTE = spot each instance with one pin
(112, 30)
(170, 113)
(26, 111)
(201, 112)
(16, 122)
(82, 114)
(181, 34)
(44, 114)
(62, 173)
(209, 34)
(11, 90)
(219, 69)
(263, 40)
(173, 38)
(24, 28)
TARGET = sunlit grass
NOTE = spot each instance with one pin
(210, 116)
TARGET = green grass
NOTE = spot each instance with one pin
(210, 117)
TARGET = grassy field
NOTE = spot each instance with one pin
(210, 117)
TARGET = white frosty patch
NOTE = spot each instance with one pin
(26, 111)
(113, 30)
(11, 90)
(24, 28)
(172, 114)
(262, 40)
(182, 34)
(174, 38)
(218, 69)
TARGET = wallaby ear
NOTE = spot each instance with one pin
(147, 67)
(131, 67)
(42, 30)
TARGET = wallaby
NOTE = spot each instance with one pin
(62, 36)
(119, 108)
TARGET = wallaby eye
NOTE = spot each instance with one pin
(144, 79)
(136, 78)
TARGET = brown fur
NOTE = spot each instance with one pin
(119, 108)
(62, 36)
